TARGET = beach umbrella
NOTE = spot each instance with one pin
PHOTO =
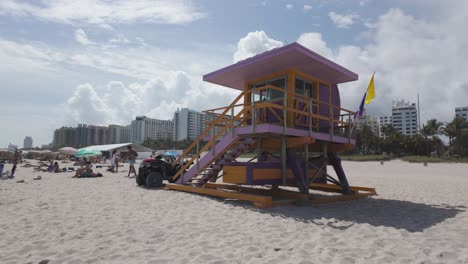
(67, 151)
(87, 152)
(171, 154)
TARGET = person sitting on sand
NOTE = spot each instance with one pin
(56, 167)
(86, 172)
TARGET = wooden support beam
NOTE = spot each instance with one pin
(291, 142)
(260, 201)
(331, 147)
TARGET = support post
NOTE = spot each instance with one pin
(232, 122)
(306, 163)
(285, 112)
(198, 156)
(254, 116)
(259, 149)
(310, 117)
(212, 134)
(284, 168)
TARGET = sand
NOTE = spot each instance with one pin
(420, 216)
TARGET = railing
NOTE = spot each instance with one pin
(307, 113)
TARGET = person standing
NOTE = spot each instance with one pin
(113, 158)
(131, 157)
(117, 161)
(16, 159)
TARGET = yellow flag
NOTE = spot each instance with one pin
(370, 90)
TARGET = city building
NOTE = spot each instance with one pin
(125, 134)
(28, 143)
(143, 128)
(462, 112)
(81, 136)
(64, 137)
(405, 117)
(384, 121)
(115, 134)
(189, 124)
(370, 121)
(97, 135)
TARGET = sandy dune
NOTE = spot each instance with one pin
(420, 216)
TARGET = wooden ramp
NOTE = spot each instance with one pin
(270, 197)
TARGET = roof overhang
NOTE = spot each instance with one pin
(290, 57)
(121, 146)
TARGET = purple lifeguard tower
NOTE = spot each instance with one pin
(289, 114)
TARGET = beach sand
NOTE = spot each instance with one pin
(419, 216)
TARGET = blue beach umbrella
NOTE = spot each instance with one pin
(87, 152)
(171, 154)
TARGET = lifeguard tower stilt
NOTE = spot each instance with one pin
(288, 113)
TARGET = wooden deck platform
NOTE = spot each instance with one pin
(270, 197)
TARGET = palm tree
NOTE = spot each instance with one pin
(454, 131)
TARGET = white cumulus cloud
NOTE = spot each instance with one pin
(307, 8)
(254, 43)
(105, 13)
(342, 21)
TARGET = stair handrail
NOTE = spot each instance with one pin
(203, 134)
(209, 144)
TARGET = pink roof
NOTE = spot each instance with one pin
(290, 57)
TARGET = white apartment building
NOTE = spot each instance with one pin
(370, 121)
(405, 117)
(385, 121)
(462, 112)
(143, 128)
(189, 124)
(28, 143)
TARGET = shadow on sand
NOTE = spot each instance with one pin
(412, 217)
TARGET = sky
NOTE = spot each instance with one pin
(104, 62)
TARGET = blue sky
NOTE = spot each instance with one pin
(101, 62)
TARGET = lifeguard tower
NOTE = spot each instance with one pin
(289, 114)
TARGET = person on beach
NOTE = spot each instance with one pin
(131, 156)
(117, 161)
(113, 158)
(16, 159)
(56, 167)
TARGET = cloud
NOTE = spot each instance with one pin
(409, 56)
(157, 98)
(314, 41)
(105, 13)
(307, 8)
(254, 43)
(289, 6)
(342, 21)
(81, 37)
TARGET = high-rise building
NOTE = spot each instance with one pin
(405, 117)
(115, 134)
(384, 121)
(64, 137)
(189, 124)
(28, 143)
(143, 128)
(125, 134)
(370, 121)
(97, 135)
(462, 112)
(81, 136)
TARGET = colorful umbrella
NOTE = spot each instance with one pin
(87, 152)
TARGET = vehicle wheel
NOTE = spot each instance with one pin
(154, 179)
(140, 180)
